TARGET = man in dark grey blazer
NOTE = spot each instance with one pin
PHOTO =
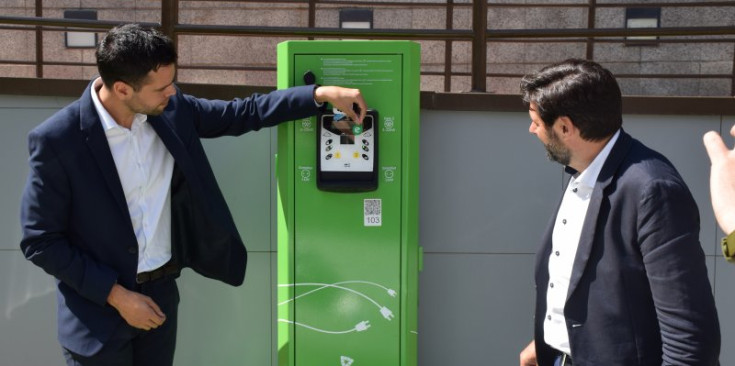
(120, 197)
(620, 274)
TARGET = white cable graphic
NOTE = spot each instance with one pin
(387, 314)
(390, 292)
(359, 327)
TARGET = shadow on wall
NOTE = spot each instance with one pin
(23, 283)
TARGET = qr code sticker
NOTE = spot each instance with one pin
(372, 211)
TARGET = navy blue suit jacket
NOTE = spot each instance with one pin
(75, 219)
(639, 292)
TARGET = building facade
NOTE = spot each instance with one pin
(689, 65)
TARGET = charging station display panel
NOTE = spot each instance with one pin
(347, 158)
(347, 242)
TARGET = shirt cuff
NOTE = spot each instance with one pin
(318, 105)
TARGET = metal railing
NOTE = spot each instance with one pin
(479, 35)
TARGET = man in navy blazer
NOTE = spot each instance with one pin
(120, 197)
(620, 274)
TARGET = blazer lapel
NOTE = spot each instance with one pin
(175, 147)
(96, 140)
(587, 237)
(173, 143)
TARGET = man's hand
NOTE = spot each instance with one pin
(138, 310)
(528, 355)
(342, 99)
(722, 179)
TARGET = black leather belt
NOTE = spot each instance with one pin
(160, 272)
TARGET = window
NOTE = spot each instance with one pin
(81, 39)
(356, 18)
(642, 18)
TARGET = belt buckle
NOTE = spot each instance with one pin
(142, 278)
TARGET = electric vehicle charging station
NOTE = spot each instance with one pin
(348, 254)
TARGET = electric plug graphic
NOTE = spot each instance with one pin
(363, 325)
(386, 313)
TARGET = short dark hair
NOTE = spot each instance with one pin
(128, 52)
(582, 90)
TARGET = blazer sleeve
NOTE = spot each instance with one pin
(675, 265)
(45, 209)
(214, 118)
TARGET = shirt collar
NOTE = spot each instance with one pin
(588, 177)
(108, 123)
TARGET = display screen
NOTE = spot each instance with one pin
(346, 128)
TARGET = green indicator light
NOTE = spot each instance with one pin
(356, 129)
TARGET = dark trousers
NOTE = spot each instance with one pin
(130, 346)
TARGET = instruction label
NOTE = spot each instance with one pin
(358, 71)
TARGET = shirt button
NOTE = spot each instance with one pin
(548, 317)
(564, 221)
(557, 253)
(551, 285)
(574, 190)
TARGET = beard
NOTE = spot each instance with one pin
(138, 107)
(154, 111)
(556, 151)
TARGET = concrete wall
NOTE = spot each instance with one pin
(487, 191)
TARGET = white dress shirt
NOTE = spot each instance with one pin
(565, 240)
(145, 168)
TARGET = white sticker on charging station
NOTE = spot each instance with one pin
(373, 212)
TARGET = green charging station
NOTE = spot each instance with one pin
(348, 254)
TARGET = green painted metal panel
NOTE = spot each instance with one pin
(348, 262)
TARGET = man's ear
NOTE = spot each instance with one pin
(565, 126)
(122, 90)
